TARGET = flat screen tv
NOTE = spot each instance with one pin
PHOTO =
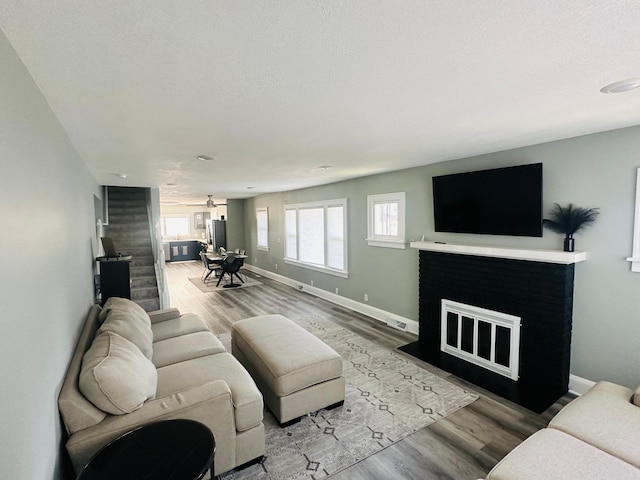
(501, 201)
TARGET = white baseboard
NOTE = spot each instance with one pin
(391, 319)
(579, 385)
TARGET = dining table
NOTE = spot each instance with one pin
(219, 258)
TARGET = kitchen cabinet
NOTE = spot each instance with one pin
(184, 250)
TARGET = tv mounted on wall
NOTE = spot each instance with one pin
(501, 201)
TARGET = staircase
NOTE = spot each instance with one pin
(129, 228)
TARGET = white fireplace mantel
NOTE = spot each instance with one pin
(548, 256)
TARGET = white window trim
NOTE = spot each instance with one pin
(325, 204)
(396, 241)
(635, 255)
(258, 246)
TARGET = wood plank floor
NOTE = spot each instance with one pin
(463, 446)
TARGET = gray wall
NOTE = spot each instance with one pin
(591, 171)
(46, 284)
(235, 225)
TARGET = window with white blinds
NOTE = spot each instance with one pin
(262, 220)
(291, 235)
(315, 236)
(311, 235)
(335, 237)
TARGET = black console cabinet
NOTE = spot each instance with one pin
(115, 279)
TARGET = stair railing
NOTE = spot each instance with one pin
(158, 260)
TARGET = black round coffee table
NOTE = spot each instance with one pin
(166, 450)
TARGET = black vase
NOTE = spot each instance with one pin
(569, 243)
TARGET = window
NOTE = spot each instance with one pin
(175, 225)
(315, 236)
(635, 254)
(262, 220)
(385, 220)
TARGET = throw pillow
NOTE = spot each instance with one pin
(115, 376)
(127, 323)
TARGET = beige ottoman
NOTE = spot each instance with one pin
(296, 372)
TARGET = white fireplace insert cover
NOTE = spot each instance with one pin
(483, 337)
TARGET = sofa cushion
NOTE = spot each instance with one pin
(163, 315)
(185, 347)
(116, 377)
(129, 324)
(184, 324)
(605, 418)
(246, 398)
(77, 411)
(124, 304)
(552, 455)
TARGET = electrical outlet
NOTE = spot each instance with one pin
(366, 297)
(276, 266)
(337, 291)
(312, 283)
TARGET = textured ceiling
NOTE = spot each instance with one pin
(275, 89)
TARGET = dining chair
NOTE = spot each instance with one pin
(230, 265)
(209, 267)
(242, 269)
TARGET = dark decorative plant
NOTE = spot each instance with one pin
(570, 220)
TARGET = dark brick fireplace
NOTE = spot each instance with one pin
(539, 292)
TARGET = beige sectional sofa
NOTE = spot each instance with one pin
(131, 368)
(595, 437)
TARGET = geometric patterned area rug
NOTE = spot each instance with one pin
(210, 286)
(387, 398)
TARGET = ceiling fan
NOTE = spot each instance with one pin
(210, 203)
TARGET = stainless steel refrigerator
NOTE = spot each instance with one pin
(217, 233)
